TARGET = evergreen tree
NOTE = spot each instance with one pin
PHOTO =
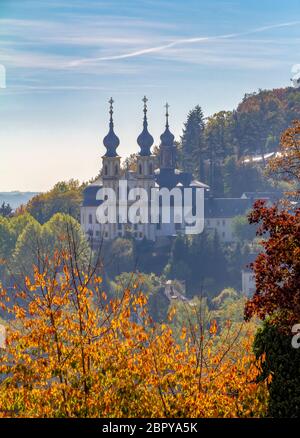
(193, 143)
(219, 144)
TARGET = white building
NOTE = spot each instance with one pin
(248, 283)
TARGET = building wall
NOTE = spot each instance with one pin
(223, 226)
(248, 283)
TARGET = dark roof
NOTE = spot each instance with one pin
(90, 193)
(167, 138)
(111, 142)
(171, 177)
(145, 140)
(226, 207)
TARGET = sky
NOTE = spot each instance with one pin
(64, 59)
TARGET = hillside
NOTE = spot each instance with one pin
(214, 148)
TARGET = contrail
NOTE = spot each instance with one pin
(179, 42)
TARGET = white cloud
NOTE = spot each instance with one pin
(180, 42)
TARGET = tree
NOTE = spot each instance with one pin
(178, 264)
(280, 370)
(242, 229)
(150, 285)
(259, 116)
(192, 143)
(277, 296)
(5, 210)
(286, 165)
(10, 230)
(37, 242)
(70, 352)
(130, 163)
(200, 261)
(218, 145)
(118, 256)
(277, 269)
(64, 197)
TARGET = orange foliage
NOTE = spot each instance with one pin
(287, 164)
(70, 352)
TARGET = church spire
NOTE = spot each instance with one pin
(145, 139)
(167, 138)
(167, 114)
(111, 141)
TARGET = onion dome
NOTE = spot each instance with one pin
(145, 139)
(111, 141)
(167, 138)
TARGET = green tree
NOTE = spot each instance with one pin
(64, 197)
(242, 229)
(118, 256)
(281, 369)
(5, 210)
(37, 243)
(219, 144)
(193, 143)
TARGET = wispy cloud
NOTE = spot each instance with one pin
(48, 47)
(180, 42)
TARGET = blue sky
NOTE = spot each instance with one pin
(64, 59)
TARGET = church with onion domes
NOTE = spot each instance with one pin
(152, 173)
(149, 173)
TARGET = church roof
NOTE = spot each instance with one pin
(90, 194)
(199, 184)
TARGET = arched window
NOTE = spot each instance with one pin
(150, 169)
(90, 219)
(140, 169)
(116, 169)
(105, 170)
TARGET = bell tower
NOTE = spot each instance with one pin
(111, 160)
(145, 160)
(145, 177)
(167, 149)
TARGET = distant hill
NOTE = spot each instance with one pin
(261, 118)
(15, 199)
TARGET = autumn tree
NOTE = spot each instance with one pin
(277, 301)
(71, 352)
(277, 269)
(286, 165)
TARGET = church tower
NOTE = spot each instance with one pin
(145, 169)
(167, 156)
(111, 170)
(167, 147)
(145, 160)
(111, 160)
